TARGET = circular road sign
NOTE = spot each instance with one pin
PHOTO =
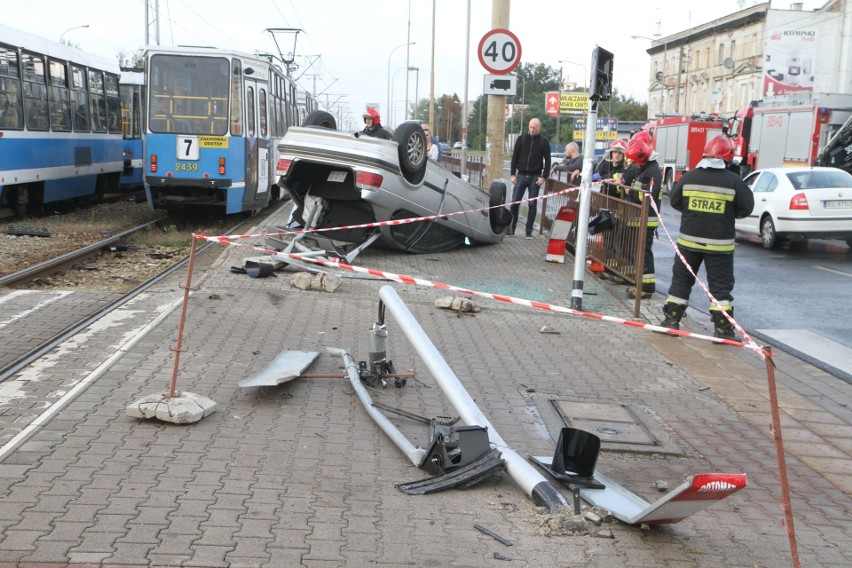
(499, 51)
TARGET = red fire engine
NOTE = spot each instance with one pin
(679, 141)
(784, 134)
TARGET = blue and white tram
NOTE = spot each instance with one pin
(60, 123)
(213, 121)
(132, 89)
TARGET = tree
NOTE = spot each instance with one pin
(534, 81)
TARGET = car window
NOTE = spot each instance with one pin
(811, 179)
(751, 179)
(767, 182)
(773, 183)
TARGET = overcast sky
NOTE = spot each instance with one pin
(355, 38)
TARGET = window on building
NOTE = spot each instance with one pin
(721, 53)
(734, 49)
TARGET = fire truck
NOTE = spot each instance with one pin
(783, 133)
(837, 152)
(679, 141)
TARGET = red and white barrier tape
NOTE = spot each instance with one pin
(411, 280)
(225, 239)
(748, 341)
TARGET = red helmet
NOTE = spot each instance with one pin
(618, 146)
(639, 148)
(374, 114)
(720, 147)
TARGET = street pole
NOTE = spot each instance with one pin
(558, 110)
(585, 198)
(463, 168)
(432, 74)
(387, 112)
(496, 125)
(416, 88)
(407, 61)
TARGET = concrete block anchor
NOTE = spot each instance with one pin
(182, 408)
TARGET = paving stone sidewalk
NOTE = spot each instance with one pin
(299, 475)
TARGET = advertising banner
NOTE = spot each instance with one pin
(789, 52)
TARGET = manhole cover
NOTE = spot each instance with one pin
(614, 424)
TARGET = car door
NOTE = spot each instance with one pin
(761, 184)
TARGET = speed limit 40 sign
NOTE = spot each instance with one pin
(499, 51)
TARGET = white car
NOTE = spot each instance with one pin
(797, 203)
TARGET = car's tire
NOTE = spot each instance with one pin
(768, 235)
(412, 151)
(320, 118)
(499, 216)
(667, 184)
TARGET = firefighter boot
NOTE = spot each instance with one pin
(722, 328)
(674, 313)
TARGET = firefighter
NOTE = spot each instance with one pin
(710, 198)
(373, 125)
(612, 168)
(645, 181)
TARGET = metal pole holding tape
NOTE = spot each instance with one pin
(521, 471)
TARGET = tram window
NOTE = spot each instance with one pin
(79, 99)
(113, 103)
(35, 92)
(189, 95)
(264, 127)
(11, 113)
(237, 99)
(59, 102)
(9, 63)
(250, 120)
(97, 101)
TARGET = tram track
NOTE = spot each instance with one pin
(24, 360)
(54, 264)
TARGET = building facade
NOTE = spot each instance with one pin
(752, 55)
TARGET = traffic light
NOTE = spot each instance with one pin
(601, 75)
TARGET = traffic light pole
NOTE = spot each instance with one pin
(585, 199)
(600, 90)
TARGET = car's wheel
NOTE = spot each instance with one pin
(320, 118)
(667, 184)
(768, 236)
(412, 151)
(500, 217)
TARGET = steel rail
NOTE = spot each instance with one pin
(55, 264)
(34, 354)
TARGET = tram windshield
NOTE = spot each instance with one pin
(189, 95)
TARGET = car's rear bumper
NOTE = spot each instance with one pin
(814, 228)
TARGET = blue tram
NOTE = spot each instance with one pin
(60, 123)
(213, 121)
(132, 89)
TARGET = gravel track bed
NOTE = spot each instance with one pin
(116, 271)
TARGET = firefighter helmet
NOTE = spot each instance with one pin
(720, 147)
(639, 148)
(373, 114)
(618, 146)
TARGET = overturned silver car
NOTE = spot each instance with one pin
(339, 179)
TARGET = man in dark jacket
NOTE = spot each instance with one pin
(373, 125)
(573, 163)
(710, 198)
(531, 163)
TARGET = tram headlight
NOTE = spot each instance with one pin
(153, 163)
(221, 165)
